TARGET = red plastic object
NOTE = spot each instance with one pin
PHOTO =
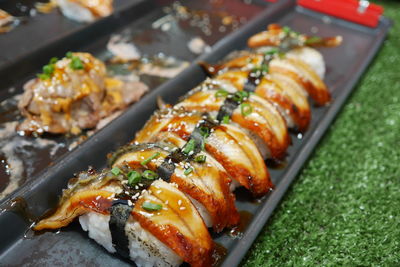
(361, 12)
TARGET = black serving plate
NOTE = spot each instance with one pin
(71, 246)
(134, 21)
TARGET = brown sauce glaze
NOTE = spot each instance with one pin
(4, 177)
(245, 219)
(219, 254)
(276, 164)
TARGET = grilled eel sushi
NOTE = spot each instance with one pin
(176, 177)
(132, 212)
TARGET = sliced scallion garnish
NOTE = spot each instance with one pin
(146, 161)
(200, 158)
(226, 119)
(286, 30)
(239, 96)
(149, 206)
(53, 60)
(48, 69)
(271, 52)
(221, 93)
(134, 177)
(204, 131)
(313, 40)
(148, 174)
(116, 171)
(246, 109)
(76, 63)
(190, 146)
(188, 171)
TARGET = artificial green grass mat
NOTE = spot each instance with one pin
(344, 208)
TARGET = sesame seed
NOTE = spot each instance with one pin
(179, 202)
(182, 208)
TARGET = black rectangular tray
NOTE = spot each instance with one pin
(71, 246)
(134, 21)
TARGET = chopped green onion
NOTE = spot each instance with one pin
(263, 69)
(226, 119)
(313, 40)
(221, 93)
(200, 158)
(271, 52)
(115, 171)
(69, 55)
(188, 171)
(134, 177)
(150, 175)
(76, 63)
(246, 109)
(190, 146)
(239, 96)
(146, 161)
(203, 144)
(204, 131)
(53, 60)
(151, 206)
(43, 76)
(48, 69)
(286, 30)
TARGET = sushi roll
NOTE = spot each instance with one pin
(263, 122)
(228, 144)
(147, 220)
(73, 94)
(202, 180)
(290, 101)
(176, 178)
(285, 37)
(85, 10)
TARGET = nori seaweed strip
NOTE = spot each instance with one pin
(167, 168)
(254, 76)
(227, 109)
(119, 215)
(251, 84)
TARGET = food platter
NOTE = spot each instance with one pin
(135, 22)
(345, 65)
